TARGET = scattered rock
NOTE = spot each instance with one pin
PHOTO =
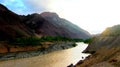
(113, 60)
(71, 65)
(80, 62)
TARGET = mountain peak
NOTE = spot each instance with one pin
(49, 14)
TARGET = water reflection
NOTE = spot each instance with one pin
(61, 58)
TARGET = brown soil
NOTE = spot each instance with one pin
(5, 48)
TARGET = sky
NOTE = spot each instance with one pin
(91, 15)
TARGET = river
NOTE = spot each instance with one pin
(60, 58)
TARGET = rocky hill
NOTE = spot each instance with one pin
(108, 38)
(44, 24)
(105, 49)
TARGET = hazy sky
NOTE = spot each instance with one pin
(91, 15)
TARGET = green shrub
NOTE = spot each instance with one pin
(74, 45)
(78, 40)
(24, 41)
(88, 40)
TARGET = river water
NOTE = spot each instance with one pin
(61, 58)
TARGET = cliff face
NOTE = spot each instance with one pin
(45, 24)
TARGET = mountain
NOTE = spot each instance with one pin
(44, 24)
(50, 24)
(108, 38)
(112, 31)
(10, 25)
(104, 49)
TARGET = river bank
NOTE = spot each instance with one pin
(40, 51)
(105, 49)
(61, 58)
(104, 57)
